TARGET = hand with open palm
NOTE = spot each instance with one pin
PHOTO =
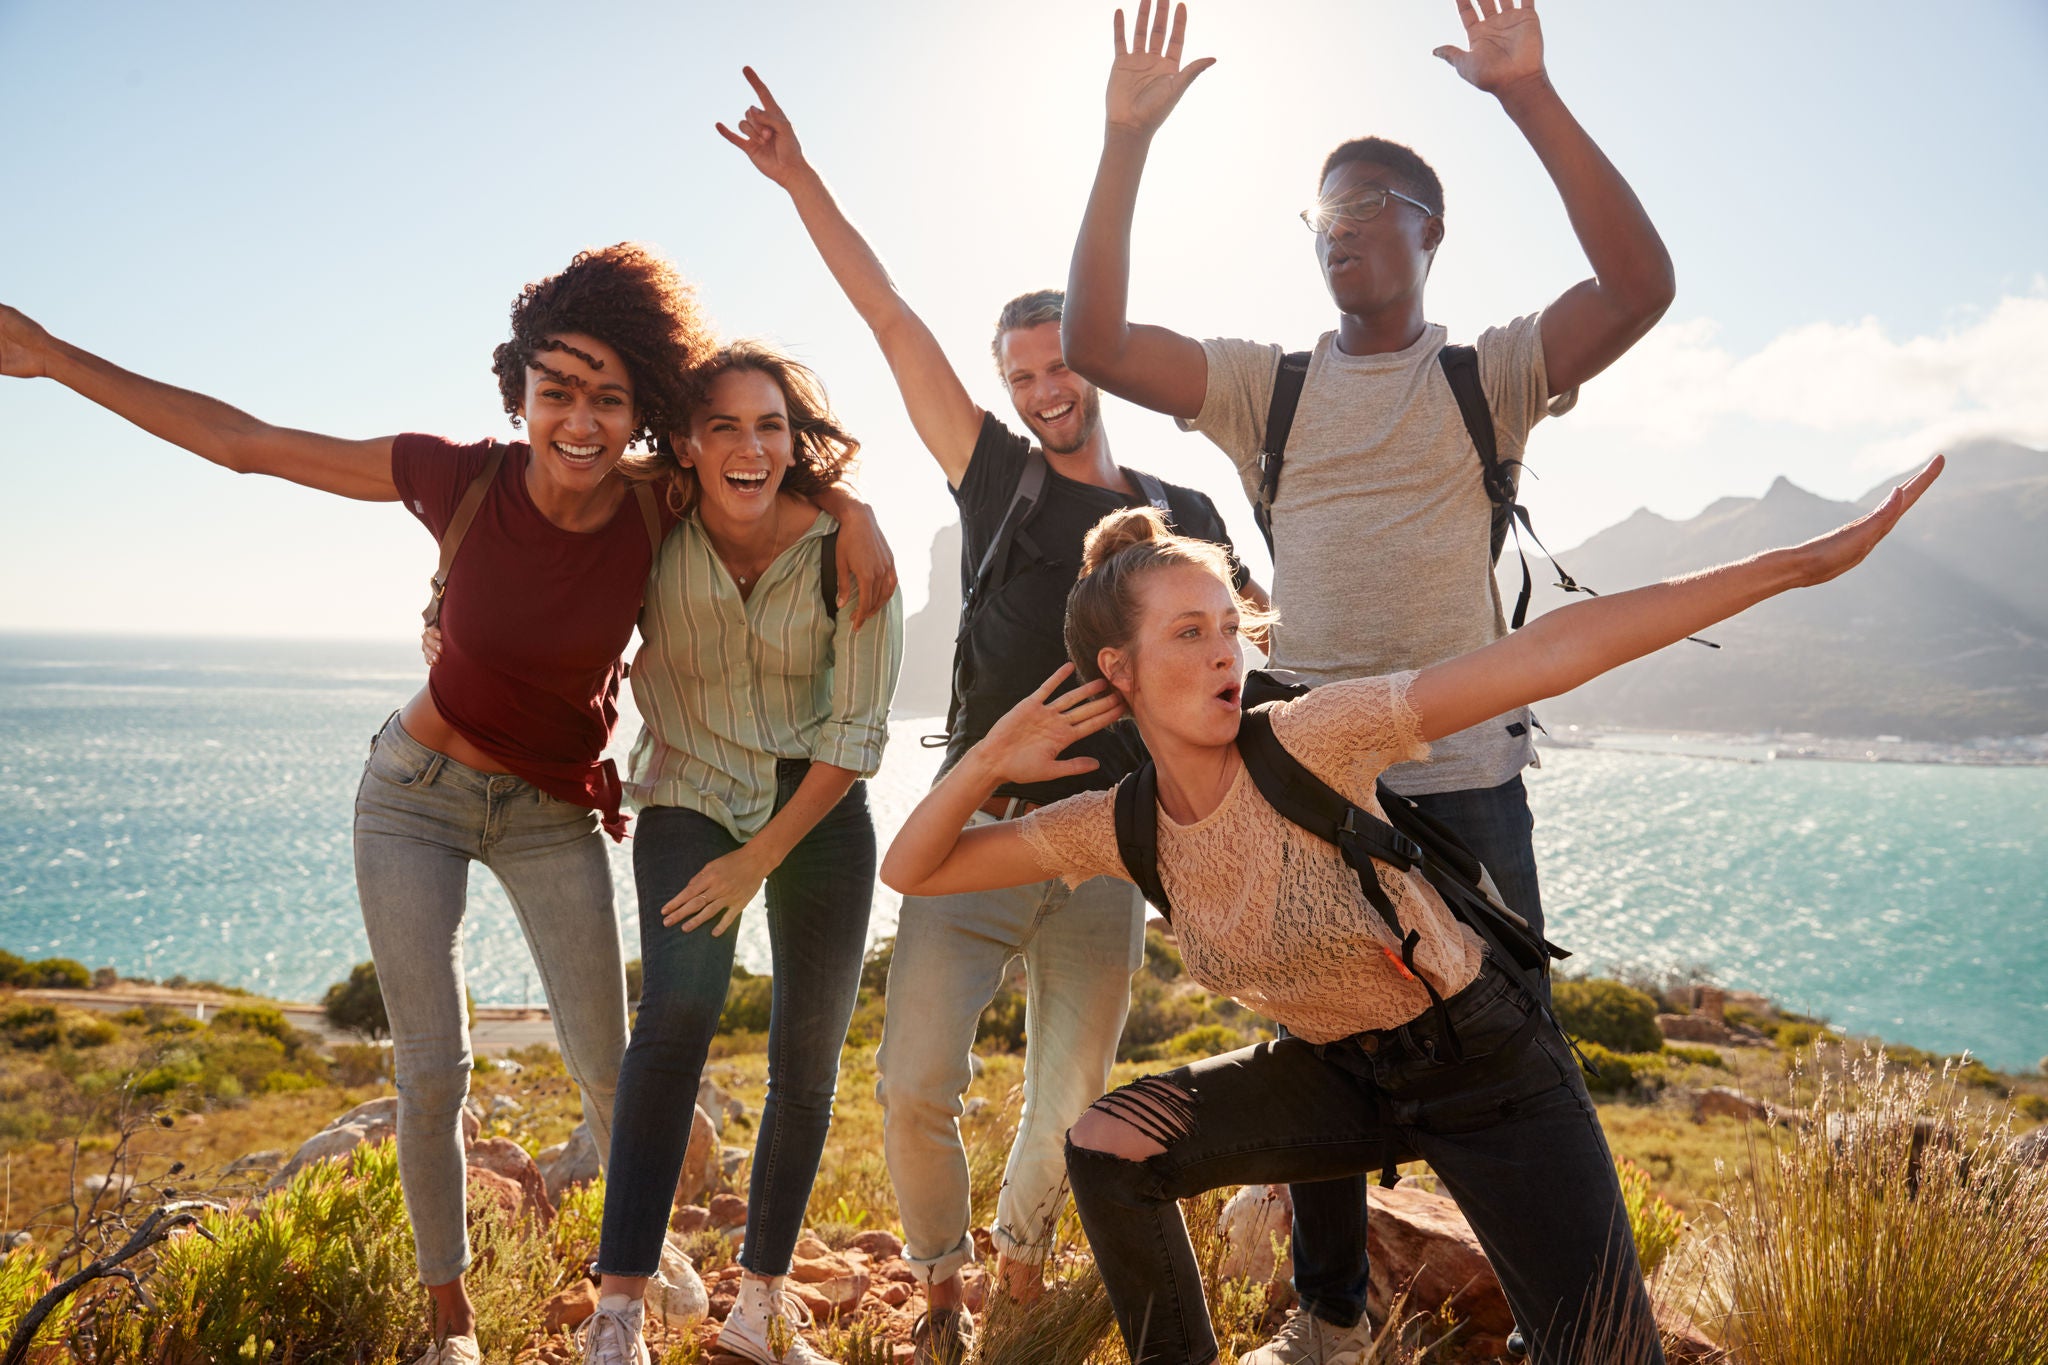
(1506, 44)
(1147, 79)
(766, 136)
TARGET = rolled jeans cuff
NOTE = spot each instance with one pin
(930, 1271)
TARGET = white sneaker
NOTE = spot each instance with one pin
(611, 1336)
(1305, 1339)
(453, 1351)
(764, 1325)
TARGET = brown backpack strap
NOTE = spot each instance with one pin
(650, 514)
(458, 526)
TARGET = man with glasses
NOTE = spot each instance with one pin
(1381, 525)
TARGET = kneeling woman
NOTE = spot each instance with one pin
(1272, 915)
(763, 709)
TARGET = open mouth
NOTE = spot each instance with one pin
(578, 456)
(1051, 415)
(1229, 696)
(748, 482)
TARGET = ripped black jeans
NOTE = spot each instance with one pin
(1509, 1131)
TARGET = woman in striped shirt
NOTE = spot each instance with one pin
(764, 708)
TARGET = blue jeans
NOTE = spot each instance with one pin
(1330, 1272)
(421, 820)
(1510, 1131)
(818, 902)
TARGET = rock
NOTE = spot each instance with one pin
(728, 1211)
(974, 1289)
(695, 1180)
(546, 1157)
(377, 1118)
(893, 1294)
(1256, 1219)
(113, 1187)
(730, 1159)
(876, 1242)
(1695, 1028)
(505, 1157)
(1684, 1342)
(578, 1164)
(899, 1271)
(2030, 1149)
(251, 1162)
(975, 1104)
(984, 1243)
(507, 1065)
(690, 1218)
(472, 1121)
(1727, 1102)
(502, 1105)
(569, 1307)
(722, 1107)
(1419, 1242)
(814, 1262)
(330, 1142)
(678, 1294)
(16, 1241)
(488, 1187)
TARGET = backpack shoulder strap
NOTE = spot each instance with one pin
(1279, 425)
(1306, 800)
(458, 527)
(1152, 490)
(650, 515)
(828, 572)
(1137, 833)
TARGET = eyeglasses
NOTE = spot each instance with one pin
(1362, 209)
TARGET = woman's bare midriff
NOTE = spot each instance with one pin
(424, 722)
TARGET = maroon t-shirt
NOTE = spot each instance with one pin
(533, 623)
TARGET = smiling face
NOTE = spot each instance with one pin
(1183, 670)
(578, 412)
(1063, 410)
(1381, 263)
(739, 446)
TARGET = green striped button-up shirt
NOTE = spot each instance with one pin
(726, 686)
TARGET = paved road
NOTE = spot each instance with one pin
(497, 1030)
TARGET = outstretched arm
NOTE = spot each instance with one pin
(1575, 644)
(205, 426)
(1596, 320)
(935, 855)
(947, 420)
(1152, 366)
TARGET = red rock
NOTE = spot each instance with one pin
(723, 1297)
(893, 1293)
(881, 1245)
(984, 1243)
(569, 1307)
(728, 1211)
(1726, 1102)
(898, 1271)
(1419, 1242)
(700, 1162)
(974, 1289)
(690, 1218)
(503, 1156)
(1684, 1342)
(488, 1186)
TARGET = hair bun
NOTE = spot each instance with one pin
(1118, 532)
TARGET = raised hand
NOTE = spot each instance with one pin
(766, 136)
(1025, 745)
(1506, 44)
(1147, 80)
(23, 345)
(1837, 552)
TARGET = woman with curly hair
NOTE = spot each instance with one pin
(498, 760)
(764, 710)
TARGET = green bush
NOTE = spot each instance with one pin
(12, 969)
(267, 1020)
(748, 1002)
(1697, 1056)
(1799, 1033)
(1607, 1013)
(2034, 1107)
(31, 1028)
(91, 1032)
(874, 968)
(1608, 1072)
(357, 1004)
(1657, 1226)
(1162, 957)
(1204, 1040)
(57, 974)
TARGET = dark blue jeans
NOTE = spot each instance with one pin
(818, 903)
(1329, 1217)
(1510, 1131)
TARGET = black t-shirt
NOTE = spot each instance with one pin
(1017, 638)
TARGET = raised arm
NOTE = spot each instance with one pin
(1151, 366)
(205, 426)
(935, 855)
(947, 420)
(1575, 644)
(1596, 320)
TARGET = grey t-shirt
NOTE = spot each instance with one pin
(1382, 528)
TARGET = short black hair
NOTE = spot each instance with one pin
(1411, 171)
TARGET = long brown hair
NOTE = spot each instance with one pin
(1120, 551)
(824, 449)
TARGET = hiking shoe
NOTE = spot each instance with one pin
(1305, 1339)
(611, 1336)
(452, 1351)
(943, 1336)
(765, 1325)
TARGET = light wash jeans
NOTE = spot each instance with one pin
(1079, 948)
(421, 820)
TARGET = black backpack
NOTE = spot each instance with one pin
(1461, 369)
(1408, 839)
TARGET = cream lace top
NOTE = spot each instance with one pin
(1267, 913)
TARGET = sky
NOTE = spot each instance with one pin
(322, 213)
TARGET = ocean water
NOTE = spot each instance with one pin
(182, 807)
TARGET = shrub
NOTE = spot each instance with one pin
(1656, 1225)
(1799, 1033)
(357, 1004)
(1607, 1013)
(31, 1027)
(1162, 956)
(267, 1020)
(748, 1002)
(1621, 1073)
(2034, 1107)
(1697, 1056)
(1002, 1021)
(57, 974)
(636, 976)
(23, 1280)
(91, 1032)
(874, 968)
(1203, 1040)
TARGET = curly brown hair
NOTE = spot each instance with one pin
(825, 451)
(633, 300)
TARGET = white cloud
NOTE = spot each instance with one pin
(1890, 401)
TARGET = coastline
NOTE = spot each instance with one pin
(2015, 751)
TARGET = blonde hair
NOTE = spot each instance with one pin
(1120, 551)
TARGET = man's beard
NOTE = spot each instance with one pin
(1091, 418)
